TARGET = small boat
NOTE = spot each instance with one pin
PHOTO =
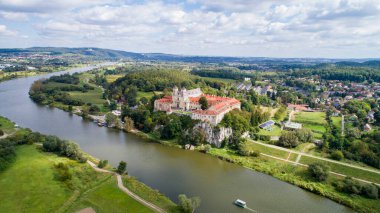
(240, 203)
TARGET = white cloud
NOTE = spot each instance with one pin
(4, 31)
(224, 27)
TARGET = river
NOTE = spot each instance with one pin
(170, 170)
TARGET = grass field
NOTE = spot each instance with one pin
(337, 122)
(6, 125)
(267, 150)
(276, 131)
(149, 194)
(314, 121)
(108, 198)
(92, 96)
(30, 185)
(112, 78)
(349, 171)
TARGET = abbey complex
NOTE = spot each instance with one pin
(188, 101)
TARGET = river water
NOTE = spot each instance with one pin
(170, 170)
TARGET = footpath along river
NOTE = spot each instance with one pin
(170, 170)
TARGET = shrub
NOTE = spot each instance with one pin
(206, 148)
(122, 167)
(63, 172)
(1, 132)
(288, 139)
(319, 171)
(102, 163)
(337, 155)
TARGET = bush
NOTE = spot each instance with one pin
(122, 168)
(337, 155)
(206, 148)
(63, 172)
(1, 132)
(102, 163)
(319, 171)
(288, 139)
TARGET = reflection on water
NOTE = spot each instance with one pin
(172, 171)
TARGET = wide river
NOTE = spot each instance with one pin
(170, 170)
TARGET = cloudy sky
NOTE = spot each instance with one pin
(272, 28)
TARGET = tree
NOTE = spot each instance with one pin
(304, 135)
(128, 124)
(111, 119)
(102, 163)
(288, 139)
(203, 102)
(122, 168)
(188, 205)
(319, 171)
(337, 155)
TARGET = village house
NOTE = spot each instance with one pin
(188, 101)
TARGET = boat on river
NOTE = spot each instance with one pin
(240, 203)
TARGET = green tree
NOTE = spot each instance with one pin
(288, 139)
(122, 168)
(304, 135)
(337, 155)
(128, 124)
(102, 163)
(319, 171)
(203, 102)
(111, 119)
(188, 205)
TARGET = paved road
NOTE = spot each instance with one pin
(126, 190)
(316, 157)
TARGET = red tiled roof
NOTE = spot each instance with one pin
(165, 99)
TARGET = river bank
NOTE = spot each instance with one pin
(73, 190)
(283, 171)
(295, 175)
(171, 170)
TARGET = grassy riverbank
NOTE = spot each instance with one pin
(298, 176)
(33, 183)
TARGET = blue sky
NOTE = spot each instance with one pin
(271, 28)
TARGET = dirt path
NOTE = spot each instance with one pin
(304, 165)
(126, 190)
(4, 136)
(316, 157)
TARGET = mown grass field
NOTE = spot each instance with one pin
(150, 194)
(276, 131)
(92, 96)
(315, 121)
(30, 185)
(267, 150)
(108, 198)
(349, 171)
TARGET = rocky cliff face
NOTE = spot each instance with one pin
(215, 135)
